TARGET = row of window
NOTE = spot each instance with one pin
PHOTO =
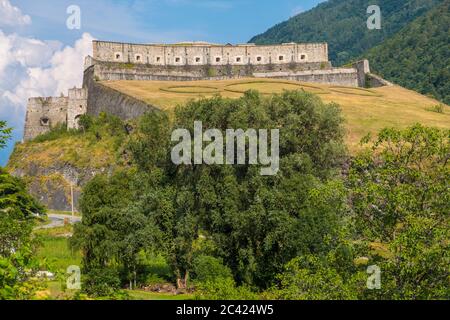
(179, 60)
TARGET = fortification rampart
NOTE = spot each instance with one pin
(197, 54)
(107, 71)
(104, 99)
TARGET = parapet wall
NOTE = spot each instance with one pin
(198, 54)
(107, 71)
(340, 77)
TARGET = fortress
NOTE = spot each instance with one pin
(306, 62)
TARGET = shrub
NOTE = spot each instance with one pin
(101, 282)
(224, 289)
(439, 108)
(207, 268)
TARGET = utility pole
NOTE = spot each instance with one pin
(71, 193)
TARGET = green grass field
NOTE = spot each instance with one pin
(365, 110)
(55, 252)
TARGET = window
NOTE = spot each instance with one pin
(258, 59)
(177, 60)
(303, 57)
(238, 59)
(138, 57)
(118, 56)
(45, 121)
(158, 59)
(217, 59)
(198, 60)
(280, 58)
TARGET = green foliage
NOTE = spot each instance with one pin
(16, 242)
(93, 128)
(256, 223)
(308, 232)
(313, 278)
(439, 108)
(405, 173)
(101, 282)
(5, 134)
(55, 132)
(207, 268)
(342, 24)
(418, 57)
(400, 197)
(223, 289)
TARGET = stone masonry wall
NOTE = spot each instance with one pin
(104, 99)
(338, 77)
(106, 71)
(43, 113)
(77, 106)
(209, 54)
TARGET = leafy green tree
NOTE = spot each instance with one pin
(17, 208)
(258, 223)
(401, 200)
(5, 134)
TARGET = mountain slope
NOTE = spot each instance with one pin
(418, 57)
(342, 23)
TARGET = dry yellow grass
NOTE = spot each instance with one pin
(365, 110)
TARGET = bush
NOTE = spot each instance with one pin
(439, 108)
(56, 132)
(224, 289)
(207, 268)
(102, 282)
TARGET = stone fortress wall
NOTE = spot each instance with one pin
(198, 53)
(46, 112)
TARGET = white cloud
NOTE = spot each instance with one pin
(12, 16)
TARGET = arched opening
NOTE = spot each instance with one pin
(77, 121)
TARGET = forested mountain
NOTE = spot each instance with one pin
(418, 57)
(342, 23)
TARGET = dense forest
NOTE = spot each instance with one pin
(342, 23)
(411, 49)
(418, 57)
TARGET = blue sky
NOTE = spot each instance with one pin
(34, 37)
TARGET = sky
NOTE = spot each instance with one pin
(41, 56)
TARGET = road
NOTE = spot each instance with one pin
(57, 220)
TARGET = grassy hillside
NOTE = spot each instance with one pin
(342, 23)
(59, 159)
(418, 57)
(366, 110)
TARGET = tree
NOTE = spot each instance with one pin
(17, 210)
(5, 134)
(401, 200)
(258, 223)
